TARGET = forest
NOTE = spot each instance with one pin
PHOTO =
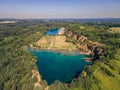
(15, 61)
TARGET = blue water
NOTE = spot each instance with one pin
(52, 32)
(59, 66)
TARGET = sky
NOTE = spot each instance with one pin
(59, 8)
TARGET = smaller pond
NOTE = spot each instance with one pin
(59, 66)
(52, 32)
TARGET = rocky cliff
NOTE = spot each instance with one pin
(86, 46)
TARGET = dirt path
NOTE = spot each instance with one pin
(51, 43)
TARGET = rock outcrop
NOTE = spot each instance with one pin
(82, 38)
(85, 45)
(36, 74)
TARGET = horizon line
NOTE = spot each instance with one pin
(67, 18)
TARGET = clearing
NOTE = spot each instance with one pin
(114, 30)
(54, 43)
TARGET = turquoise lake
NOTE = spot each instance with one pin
(59, 66)
(52, 32)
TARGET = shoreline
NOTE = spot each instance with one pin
(61, 50)
(89, 59)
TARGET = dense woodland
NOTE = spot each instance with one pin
(15, 60)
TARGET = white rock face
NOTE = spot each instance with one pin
(61, 31)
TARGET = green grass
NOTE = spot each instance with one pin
(115, 29)
(106, 81)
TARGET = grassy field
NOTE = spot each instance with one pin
(114, 30)
(107, 74)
